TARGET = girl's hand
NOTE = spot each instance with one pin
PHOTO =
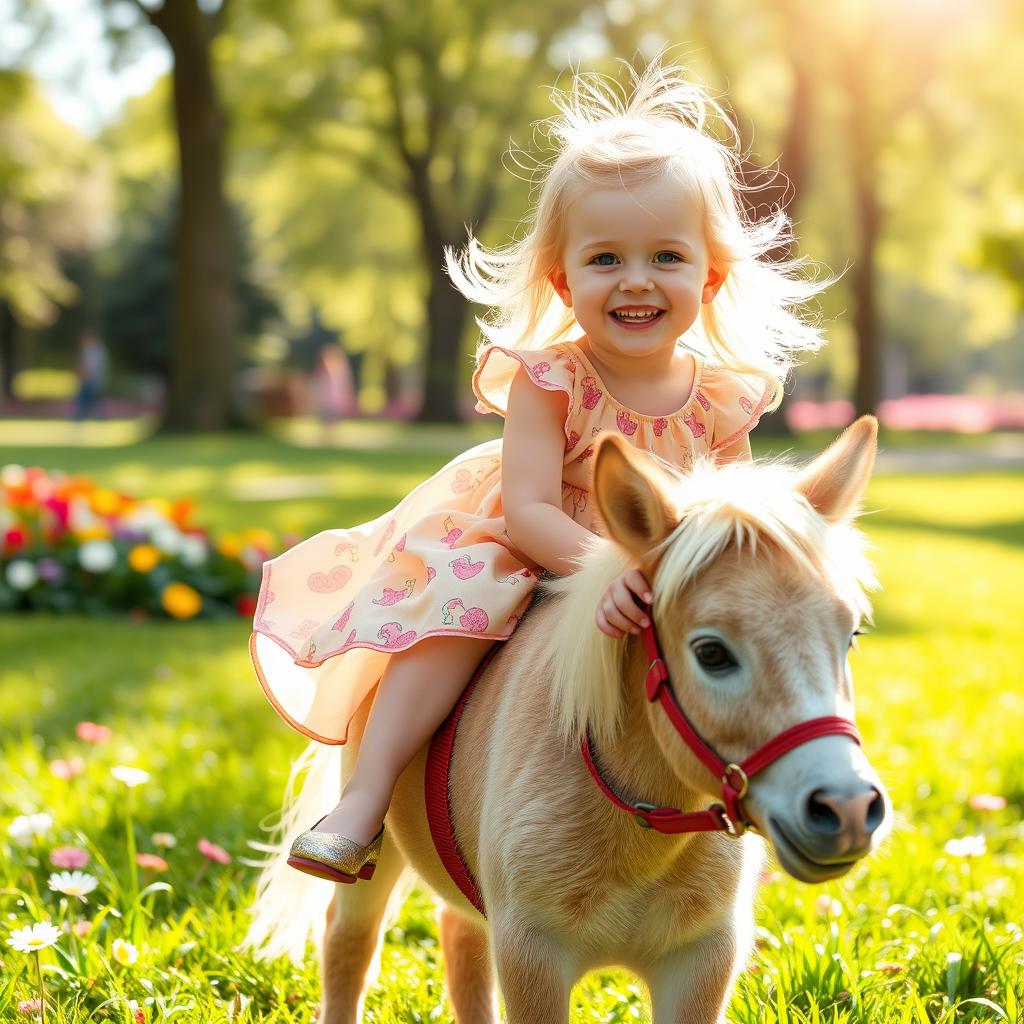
(617, 611)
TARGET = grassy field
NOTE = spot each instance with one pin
(919, 934)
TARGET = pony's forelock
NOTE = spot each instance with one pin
(741, 505)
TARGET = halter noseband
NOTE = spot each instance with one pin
(727, 816)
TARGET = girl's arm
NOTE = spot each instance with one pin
(531, 478)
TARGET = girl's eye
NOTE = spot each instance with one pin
(604, 259)
(714, 656)
(667, 257)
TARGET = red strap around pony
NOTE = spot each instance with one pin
(727, 816)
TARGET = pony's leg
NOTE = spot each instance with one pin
(353, 938)
(693, 985)
(468, 969)
(532, 979)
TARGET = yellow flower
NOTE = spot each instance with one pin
(229, 546)
(105, 502)
(181, 601)
(143, 557)
(259, 538)
(94, 531)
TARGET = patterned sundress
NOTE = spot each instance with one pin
(334, 608)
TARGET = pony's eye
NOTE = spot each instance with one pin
(713, 656)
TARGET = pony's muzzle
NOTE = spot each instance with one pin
(837, 823)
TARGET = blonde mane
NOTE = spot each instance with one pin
(741, 505)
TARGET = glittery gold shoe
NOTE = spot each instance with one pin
(334, 857)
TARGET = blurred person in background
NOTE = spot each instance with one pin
(92, 377)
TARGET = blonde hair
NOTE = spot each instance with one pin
(604, 135)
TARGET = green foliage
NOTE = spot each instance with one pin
(918, 935)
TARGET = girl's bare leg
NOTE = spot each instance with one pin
(419, 688)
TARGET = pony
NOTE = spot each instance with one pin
(758, 577)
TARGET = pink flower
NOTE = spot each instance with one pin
(150, 862)
(93, 733)
(27, 1007)
(987, 802)
(81, 928)
(211, 851)
(71, 858)
(67, 769)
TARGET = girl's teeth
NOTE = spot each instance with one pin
(623, 315)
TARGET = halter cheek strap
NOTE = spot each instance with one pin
(728, 816)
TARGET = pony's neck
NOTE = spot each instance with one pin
(633, 764)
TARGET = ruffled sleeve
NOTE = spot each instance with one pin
(733, 403)
(552, 369)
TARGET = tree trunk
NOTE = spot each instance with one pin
(446, 319)
(201, 394)
(8, 348)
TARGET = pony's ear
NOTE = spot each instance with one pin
(632, 496)
(834, 482)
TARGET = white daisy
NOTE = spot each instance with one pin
(26, 827)
(34, 937)
(73, 883)
(968, 846)
(124, 952)
(130, 776)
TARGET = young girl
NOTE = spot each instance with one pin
(638, 301)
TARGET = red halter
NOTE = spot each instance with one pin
(727, 816)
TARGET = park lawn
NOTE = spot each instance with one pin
(917, 934)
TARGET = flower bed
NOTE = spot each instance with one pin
(71, 546)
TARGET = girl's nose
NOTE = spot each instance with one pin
(635, 280)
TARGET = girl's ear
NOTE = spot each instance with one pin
(560, 282)
(715, 280)
(632, 496)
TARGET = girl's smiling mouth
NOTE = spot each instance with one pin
(635, 317)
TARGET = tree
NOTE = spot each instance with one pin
(421, 98)
(50, 207)
(203, 369)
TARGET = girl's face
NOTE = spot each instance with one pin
(634, 266)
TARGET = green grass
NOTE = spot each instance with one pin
(916, 935)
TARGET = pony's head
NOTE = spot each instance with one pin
(758, 576)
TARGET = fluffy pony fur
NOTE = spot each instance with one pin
(717, 507)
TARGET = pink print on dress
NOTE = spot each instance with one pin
(538, 370)
(327, 583)
(473, 620)
(702, 401)
(431, 573)
(464, 568)
(349, 638)
(626, 423)
(453, 534)
(463, 481)
(303, 629)
(747, 406)
(585, 454)
(591, 392)
(513, 578)
(343, 618)
(392, 635)
(389, 532)
(696, 427)
(391, 596)
(659, 427)
(572, 440)
(347, 546)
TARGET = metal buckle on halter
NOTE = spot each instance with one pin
(732, 830)
(744, 787)
(641, 806)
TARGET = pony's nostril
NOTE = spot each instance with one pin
(821, 816)
(876, 812)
